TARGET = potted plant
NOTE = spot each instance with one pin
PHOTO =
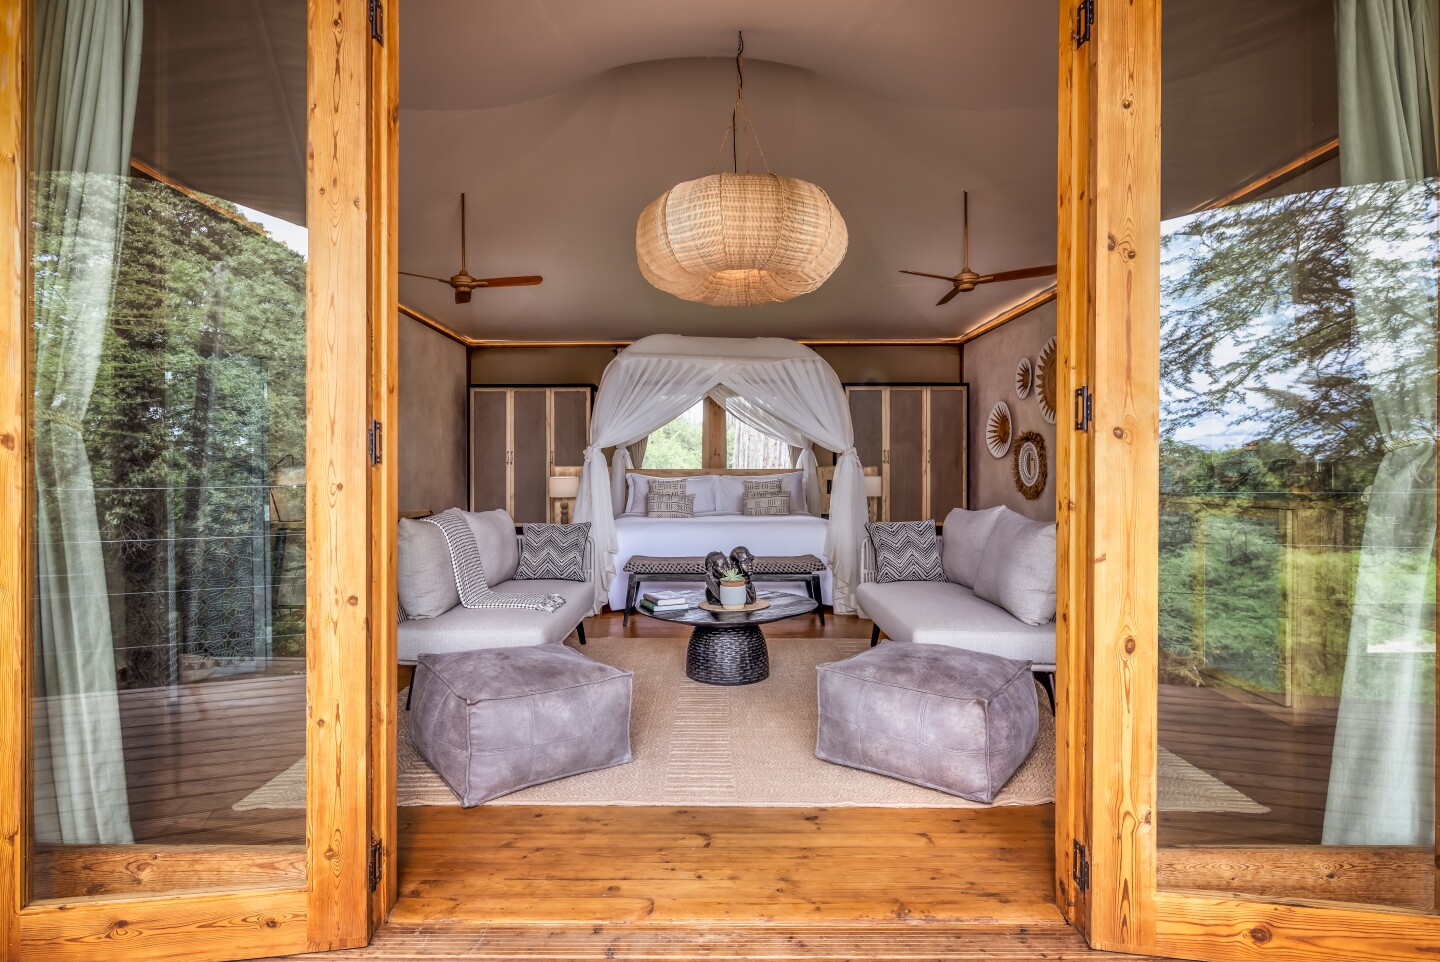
(732, 588)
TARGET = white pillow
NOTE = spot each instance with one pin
(730, 491)
(1017, 568)
(963, 541)
(701, 486)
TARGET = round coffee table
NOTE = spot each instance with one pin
(728, 647)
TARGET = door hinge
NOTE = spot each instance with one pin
(1084, 17)
(1081, 869)
(377, 22)
(1082, 408)
(377, 442)
(377, 864)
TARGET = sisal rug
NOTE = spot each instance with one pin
(751, 745)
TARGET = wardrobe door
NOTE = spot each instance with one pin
(946, 423)
(489, 448)
(905, 454)
(867, 413)
(571, 426)
(530, 456)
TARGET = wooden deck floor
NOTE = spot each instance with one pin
(550, 882)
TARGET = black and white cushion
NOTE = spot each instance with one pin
(761, 487)
(906, 551)
(766, 504)
(553, 552)
(674, 487)
(669, 505)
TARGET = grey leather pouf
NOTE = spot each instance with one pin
(495, 721)
(950, 719)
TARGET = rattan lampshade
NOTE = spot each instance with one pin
(736, 240)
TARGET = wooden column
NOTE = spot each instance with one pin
(384, 504)
(341, 574)
(15, 511)
(714, 448)
(1109, 307)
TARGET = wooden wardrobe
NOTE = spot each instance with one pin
(917, 434)
(519, 438)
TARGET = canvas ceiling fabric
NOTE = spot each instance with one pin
(783, 384)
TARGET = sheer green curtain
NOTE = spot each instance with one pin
(87, 61)
(1382, 777)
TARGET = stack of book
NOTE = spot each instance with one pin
(659, 602)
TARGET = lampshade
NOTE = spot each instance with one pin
(736, 240)
(564, 486)
(874, 486)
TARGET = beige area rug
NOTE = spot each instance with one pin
(752, 745)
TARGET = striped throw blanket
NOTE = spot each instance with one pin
(475, 591)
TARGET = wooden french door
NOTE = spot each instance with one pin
(197, 367)
(1246, 738)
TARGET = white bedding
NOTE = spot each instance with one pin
(674, 537)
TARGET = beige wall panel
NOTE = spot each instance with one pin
(990, 370)
(431, 432)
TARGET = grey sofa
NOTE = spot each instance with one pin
(998, 596)
(432, 618)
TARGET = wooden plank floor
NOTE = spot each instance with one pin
(548, 882)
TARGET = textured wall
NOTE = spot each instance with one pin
(990, 370)
(433, 380)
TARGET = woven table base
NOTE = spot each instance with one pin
(727, 655)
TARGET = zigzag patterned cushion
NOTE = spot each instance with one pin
(553, 552)
(906, 551)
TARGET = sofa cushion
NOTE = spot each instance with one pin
(906, 551)
(550, 552)
(941, 613)
(424, 573)
(493, 722)
(465, 629)
(1017, 568)
(495, 537)
(964, 541)
(958, 721)
(660, 505)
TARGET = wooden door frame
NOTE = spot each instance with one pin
(351, 167)
(1109, 325)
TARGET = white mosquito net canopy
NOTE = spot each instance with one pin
(777, 386)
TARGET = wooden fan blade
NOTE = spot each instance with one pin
(462, 297)
(938, 277)
(948, 297)
(442, 280)
(1020, 274)
(528, 280)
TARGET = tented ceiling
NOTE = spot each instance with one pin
(561, 119)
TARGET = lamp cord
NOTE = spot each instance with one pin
(740, 119)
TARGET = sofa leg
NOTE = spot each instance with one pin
(874, 635)
(1047, 678)
(580, 630)
(410, 693)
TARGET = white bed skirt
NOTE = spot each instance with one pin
(680, 537)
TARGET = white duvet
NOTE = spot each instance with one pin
(674, 537)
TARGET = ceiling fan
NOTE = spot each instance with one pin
(464, 284)
(967, 280)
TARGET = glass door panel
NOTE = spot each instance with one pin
(169, 424)
(1298, 452)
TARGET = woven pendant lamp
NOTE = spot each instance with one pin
(736, 240)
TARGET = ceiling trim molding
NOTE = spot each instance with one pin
(1307, 161)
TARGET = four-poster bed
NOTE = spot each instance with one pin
(780, 387)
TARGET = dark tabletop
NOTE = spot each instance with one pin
(782, 605)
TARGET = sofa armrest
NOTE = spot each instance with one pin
(867, 560)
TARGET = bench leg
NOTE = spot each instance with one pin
(1047, 679)
(630, 593)
(580, 630)
(410, 692)
(874, 635)
(819, 599)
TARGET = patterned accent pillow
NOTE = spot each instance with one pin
(670, 505)
(906, 551)
(553, 552)
(672, 487)
(757, 488)
(766, 504)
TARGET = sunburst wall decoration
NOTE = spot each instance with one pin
(1024, 377)
(1029, 466)
(999, 430)
(1046, 386)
